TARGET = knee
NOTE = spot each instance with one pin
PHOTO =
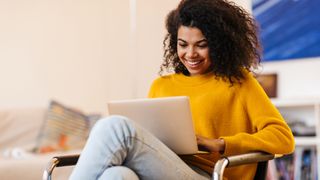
(119, 173)
(113, 123)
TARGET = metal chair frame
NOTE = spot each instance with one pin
(225, 162)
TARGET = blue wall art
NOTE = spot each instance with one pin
(289, 29)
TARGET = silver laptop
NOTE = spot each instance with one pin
(169, 119)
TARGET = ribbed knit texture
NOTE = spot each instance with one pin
(241, 114)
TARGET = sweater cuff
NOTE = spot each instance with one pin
(232, 146)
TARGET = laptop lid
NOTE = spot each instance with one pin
(169, 119)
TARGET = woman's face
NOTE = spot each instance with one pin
(193, 50)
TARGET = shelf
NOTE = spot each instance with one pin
(302, 112)
(295, 102)
(307, 141)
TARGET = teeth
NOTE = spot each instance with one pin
(193, 62)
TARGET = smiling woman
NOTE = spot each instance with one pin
(193, 50)
(230, 33)
(210, 50)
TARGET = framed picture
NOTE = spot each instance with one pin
(289, 29)
(268, 83)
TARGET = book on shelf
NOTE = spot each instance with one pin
(302, 164)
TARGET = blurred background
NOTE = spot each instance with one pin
(85, 53)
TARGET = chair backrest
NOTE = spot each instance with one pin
(261, 172)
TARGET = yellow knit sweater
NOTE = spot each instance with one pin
(241, 114)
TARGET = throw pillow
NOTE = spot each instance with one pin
(64, 128)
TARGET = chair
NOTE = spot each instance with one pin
(255, 157)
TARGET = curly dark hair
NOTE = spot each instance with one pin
(229, 30)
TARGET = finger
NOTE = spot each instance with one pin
(200, 141)
(199, 136)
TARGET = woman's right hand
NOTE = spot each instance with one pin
(212, 145)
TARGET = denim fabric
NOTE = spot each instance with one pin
(118, 148)
(119, 173)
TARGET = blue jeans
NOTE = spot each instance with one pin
(118, 148)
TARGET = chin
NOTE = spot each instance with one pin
(194, 73)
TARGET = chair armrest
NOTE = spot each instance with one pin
(59, 161)
(237, 160)
(219, 167)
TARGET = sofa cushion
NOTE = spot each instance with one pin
(32, 166)
(64, 128)
(19, 127)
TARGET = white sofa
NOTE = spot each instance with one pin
(19, 129)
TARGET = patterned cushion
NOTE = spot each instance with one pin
(64, 128)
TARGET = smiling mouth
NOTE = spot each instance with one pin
(193, 63)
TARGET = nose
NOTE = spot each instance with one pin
(191, 52)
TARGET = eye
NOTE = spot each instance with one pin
(183, 45)
(203, 45)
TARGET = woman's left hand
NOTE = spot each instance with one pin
(212, 145)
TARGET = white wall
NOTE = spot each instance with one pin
(73, 51)
(82, 53)
(297, 79)
(150, 34)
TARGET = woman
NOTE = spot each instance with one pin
(212, 48)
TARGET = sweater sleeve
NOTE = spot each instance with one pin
(152, 89)
(272, 133)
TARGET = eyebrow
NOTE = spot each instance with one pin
(202, 40)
